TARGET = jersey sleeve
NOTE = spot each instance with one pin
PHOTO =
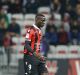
(29, 34)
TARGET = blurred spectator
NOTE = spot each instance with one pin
(74, 26)
(51, 36)
(74, 32)
(57, 21)
(30, 6)
(63, 37)
(7, 46)
(44, 2)
(78, 10)
(57, 6)
(50, 24)
(15, 6)
(66, 22)
(4, 3)
(14, 28)
(73, 2)
(78, 22)
(63, 6)
(3, 30)
(3, 14)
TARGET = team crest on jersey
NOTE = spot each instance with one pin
(27, 35)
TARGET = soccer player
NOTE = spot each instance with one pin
(34, 62)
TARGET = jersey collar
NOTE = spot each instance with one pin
(35, 26)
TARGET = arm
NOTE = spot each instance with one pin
(38, 55)
(27, 46)
(28, 40)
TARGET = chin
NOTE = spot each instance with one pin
(41, 25)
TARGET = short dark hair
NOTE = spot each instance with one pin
(39, 14)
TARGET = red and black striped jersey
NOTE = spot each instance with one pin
(34, 35)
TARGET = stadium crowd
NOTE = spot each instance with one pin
(64, 30)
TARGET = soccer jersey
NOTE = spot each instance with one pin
(34, 35)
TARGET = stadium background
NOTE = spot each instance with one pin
(61, 34)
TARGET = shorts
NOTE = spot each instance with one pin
(33, 66)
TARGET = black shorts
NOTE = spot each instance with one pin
(33, 66)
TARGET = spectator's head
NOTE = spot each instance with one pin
(78, 9)
(56, 2)
(40, 20)
(2, 22)
(3, 11)
(51, 21)
(13, 21)
(66, 17)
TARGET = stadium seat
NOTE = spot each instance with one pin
(15, 40)
(28, 23)
(79, 49)
(23, 32)
(22, 40)
(14, 60)
(15, 49)
(47, 16)
(20, 49)
(18, 40)
(30, 17)
(57, 16)
(3, 57)
(20, 22)
(44, 10)
(62, 49)
(74, 49)
(18, 16)
(2, 50)
(20, 56)
(52, 49)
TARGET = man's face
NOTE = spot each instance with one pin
(40, 20)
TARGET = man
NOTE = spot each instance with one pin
(14, 28)
(34, 62)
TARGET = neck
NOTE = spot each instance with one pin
(37, 25)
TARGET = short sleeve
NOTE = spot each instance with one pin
(29, 34)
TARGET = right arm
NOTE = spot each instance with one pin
(28, 41)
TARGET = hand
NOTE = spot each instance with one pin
(42, 58)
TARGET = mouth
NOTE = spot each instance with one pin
(43, 23)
